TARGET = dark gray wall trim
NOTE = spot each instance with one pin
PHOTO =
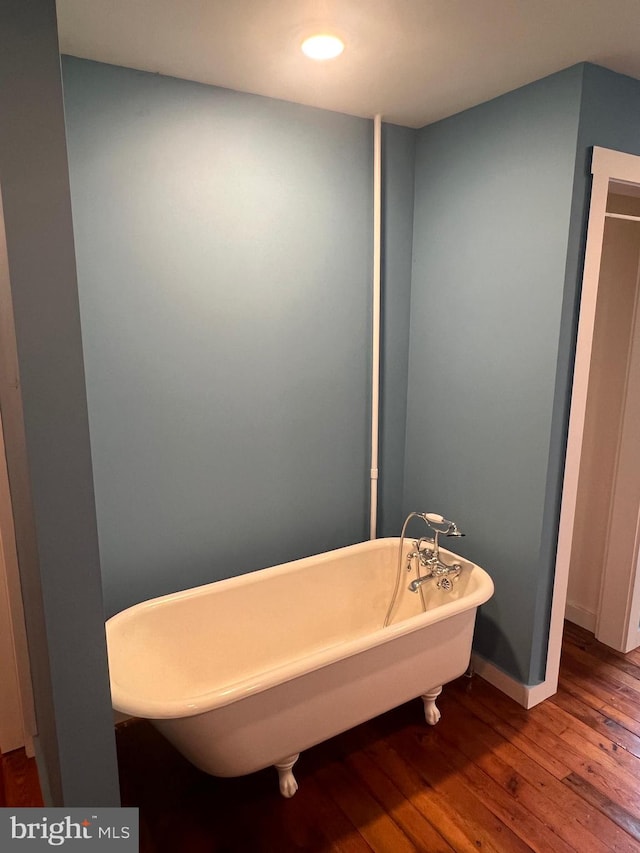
(60, 569)
(18, 472)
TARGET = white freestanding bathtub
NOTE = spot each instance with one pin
(247, 672)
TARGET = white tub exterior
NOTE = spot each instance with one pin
(244, 672)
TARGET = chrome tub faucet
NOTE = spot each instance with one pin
(427, 553)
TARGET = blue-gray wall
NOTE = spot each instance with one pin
(398, 170)
(610, 113)
(484, 428)
(610, 118)
(224, 262)
(502, 195)
(224, 255)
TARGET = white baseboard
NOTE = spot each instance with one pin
(579, 616)
(526, 695)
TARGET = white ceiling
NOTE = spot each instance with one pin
(413, 61)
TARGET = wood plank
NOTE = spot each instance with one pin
(591, 743)
(599, 697)
(532, 786)
(3, 793)
(465, 695)
(338, 832)
(602, 685)
(584, 737)
(404, 812)
(351, 750)
(422, 748)
(21, 783)
(448, 806)
(598, 824)
(619, 785)
(601, 662)
(598, 721)
(580, 636)
(604, 654)
(580, 689)
(377, 828)
(482, 825)
(617, 813)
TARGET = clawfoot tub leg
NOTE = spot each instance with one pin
(431, 713)
(288, 784)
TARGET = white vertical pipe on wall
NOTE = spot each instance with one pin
(375, 360)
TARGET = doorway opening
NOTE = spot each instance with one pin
(602, 579)
(614, 200)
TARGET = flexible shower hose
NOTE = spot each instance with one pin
(392, 604)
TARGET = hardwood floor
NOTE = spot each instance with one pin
(564, 776)
(19, 784)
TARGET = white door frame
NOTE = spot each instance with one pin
(606, 166)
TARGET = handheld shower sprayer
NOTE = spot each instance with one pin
(444, 526)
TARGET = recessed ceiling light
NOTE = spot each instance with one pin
(322, 47)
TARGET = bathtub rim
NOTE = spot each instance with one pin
(125, 701)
